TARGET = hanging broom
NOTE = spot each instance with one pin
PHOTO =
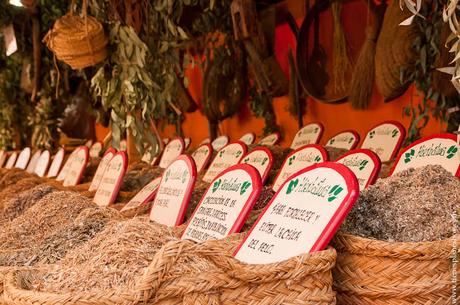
(362, 82)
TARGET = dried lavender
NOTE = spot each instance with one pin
(415, 205)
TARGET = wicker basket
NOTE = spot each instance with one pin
(79, 41)
(170, 279)
(393, 273)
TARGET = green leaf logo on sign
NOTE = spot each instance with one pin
(184, 176)
(331, 141)
(216, 185)
(168, 173)
(451, 152)
(350, 140)
(221, 153)
(335, 190)
(372, 134)
(244, 187)
(292, 185)
(394, 133)
(238, 153)
(408, 156)
(264, 161)
(246, 160)
(363, 164)
(317, 159)
(291, 159)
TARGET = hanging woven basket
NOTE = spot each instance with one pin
(79, 41)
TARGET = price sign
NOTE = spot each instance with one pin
(42, 163)
(65, 169)
(262, 160)
(23, 158)
(174, 149)
(220, 142)
(205, 141)
(303, 215)
(174, 193)
(346, 140)
(187, 142)
(226, 157)
(95, 150)
(385, 140)
(441, 149)
(145, 195)
(202, 156)
(33, 162)
(123, 145)
(165, 141)
(299, 159)
(88, 144)
(11, 160)
(111, 181)
(364, 163)
(56, 164)
(3, 156)
(101, 168)
(225, 205)
(309, 134)
(271, 139)
(248, 138)
(77, 168)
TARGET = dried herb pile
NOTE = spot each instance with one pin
(58, 243)
(54, 211)
(114, 258)
(334, 153)
(11, 191)
(415, 205)
(12, 176)
(24, 200)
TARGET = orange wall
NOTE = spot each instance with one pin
(335, 118)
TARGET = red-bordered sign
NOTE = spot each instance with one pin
(144, 196)
(292, 163)
(347, 139)
(42, 163)
(65, 169)
(370, 139)
(187, 142)
(33, 162)
(313, 131)
(364, 163)
(80, 167)
(271, 139)
(205, 141)
(248, 138)
(159, 213)
(229, 155)
(445, 153)
(95, 150)
(112, 171)
(243, 172)
(262, 160)
(11, 160)
(173, 149)
(101, 168)
(55, 166)
(220, 142)
(302, 216)
(23, 158)
(202, 156)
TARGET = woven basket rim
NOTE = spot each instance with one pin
(409, 250)
(140, 292)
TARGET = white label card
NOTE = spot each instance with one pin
(187, 142)
(145, 195)
(95, 150)
(226, 157)
(297, 160)
(364, 163)
(248, 138)
(33, 162)
(303, 216)
(262, 159)
(437, 149)
(344, 140)
(174, 193)
(101, 168)
(23, 158)
(271, 139)
(56, 164)
(205, 141)
(3, 157)
(111, 181)
(11, 160)
(174, 149)
(123, 145)
(202, 156)
(65, 169)
(225, 205)
(77, 168)
(220, 142)
(309, 134)
(42, 163)
(385, 140)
